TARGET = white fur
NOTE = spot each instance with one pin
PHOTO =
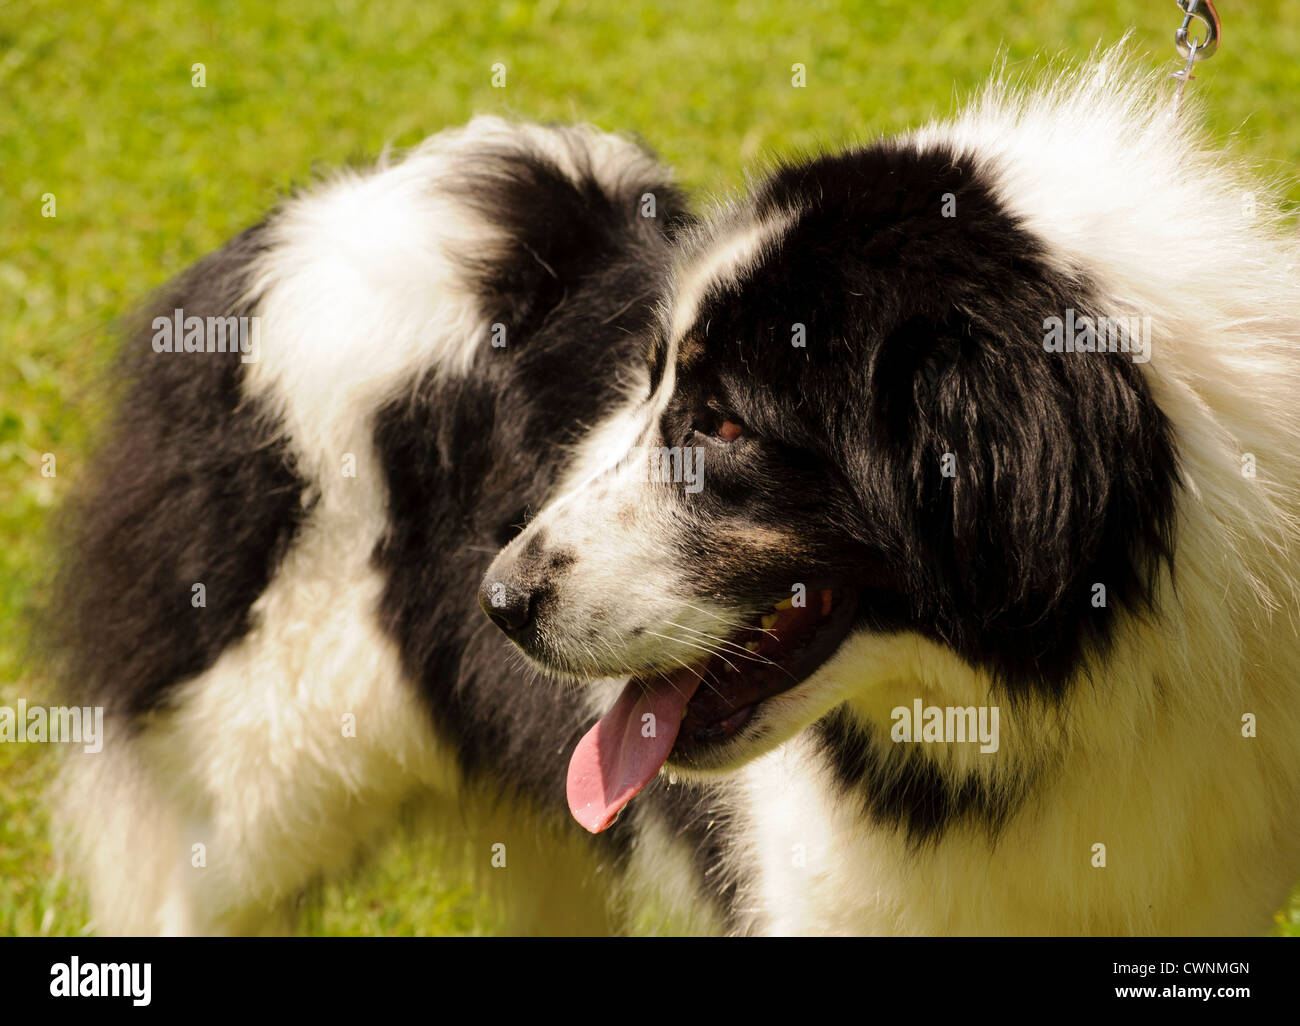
(726, 261)
(362, 289)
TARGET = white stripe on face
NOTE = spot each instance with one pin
(615, 525)
(725, 260)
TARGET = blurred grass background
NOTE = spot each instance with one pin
(149, 173)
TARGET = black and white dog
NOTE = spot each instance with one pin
(916, 540)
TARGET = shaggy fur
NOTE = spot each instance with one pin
(333, 594)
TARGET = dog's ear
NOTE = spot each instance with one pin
(568, 221)
(1034, 489)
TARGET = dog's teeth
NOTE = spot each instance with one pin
(784, 604)
(770, 619)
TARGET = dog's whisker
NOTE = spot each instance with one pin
(711, 649)
(735, 647)
(701, 674)
(726, 621)
(732, 624)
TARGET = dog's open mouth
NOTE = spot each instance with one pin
(685, 712)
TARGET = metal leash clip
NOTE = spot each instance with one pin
(1204, 10)
(1189, 46)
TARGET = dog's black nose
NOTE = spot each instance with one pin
(510, 607)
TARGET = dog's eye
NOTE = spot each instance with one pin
(716, 424)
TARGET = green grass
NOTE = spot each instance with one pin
(149, 173)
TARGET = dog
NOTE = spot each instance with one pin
(906, 547)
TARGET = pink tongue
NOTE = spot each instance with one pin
(616, 758)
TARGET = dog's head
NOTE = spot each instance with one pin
(854, 425)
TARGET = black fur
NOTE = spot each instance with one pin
(187, 488)
(467, 461)
(900, 788)
(699, 815)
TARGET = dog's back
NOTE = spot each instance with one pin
(272, 572)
